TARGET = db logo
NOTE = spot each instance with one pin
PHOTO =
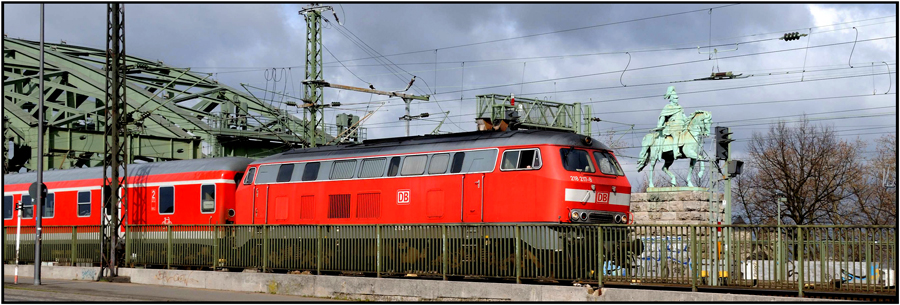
(403, 197)
(602, 197)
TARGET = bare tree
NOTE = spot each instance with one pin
(873, 200)
(806, 164)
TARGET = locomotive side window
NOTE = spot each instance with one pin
(311, 171)
(607, 163)
(250, 174)
(284, 173)
(166, 199)
(7, 207)
(576, 160)
(394, 167)
(27, 207)
(207, 198)
(479, 161)
(521, 159)
(84, 204)
(438, 163)
(267, 173)
(48, 209)
(413, 165)
(457, 164)
(343, 169)
(371, 168)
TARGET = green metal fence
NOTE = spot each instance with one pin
(64, 245)
(858, 259)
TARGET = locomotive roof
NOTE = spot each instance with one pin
(136, 169)
(453, 141)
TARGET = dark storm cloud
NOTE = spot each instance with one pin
(224, 37)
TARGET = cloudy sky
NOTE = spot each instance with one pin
(567, 53)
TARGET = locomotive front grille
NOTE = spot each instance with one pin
(594, 217)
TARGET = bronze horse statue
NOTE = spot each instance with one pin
(657, 147)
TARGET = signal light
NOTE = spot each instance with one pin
(722, 140)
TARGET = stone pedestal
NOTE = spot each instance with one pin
(678, 207)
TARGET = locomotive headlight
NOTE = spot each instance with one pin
(574, 215)
(583, 216)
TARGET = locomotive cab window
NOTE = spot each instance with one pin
(576, 160)
(8, 207)
(413, 165)
(439, 163)
(521, 159)
(267, 173)
(250, 174)
(27, 207)
(48, 209)
(84, 204)
(607, 163)
(207, 198)
(311, 171)
(166, 200)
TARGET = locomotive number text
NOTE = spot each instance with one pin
(580, 179)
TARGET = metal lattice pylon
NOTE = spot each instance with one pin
(114, 149)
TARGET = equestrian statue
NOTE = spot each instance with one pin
(676, 136)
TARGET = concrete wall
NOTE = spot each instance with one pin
(385, 289)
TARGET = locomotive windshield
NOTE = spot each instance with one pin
(607, 163)
(576, 160)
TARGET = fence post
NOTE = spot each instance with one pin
(265, 262)
(602, 247)
(127, 245)
(75, 244)
(215, 236)
(868, 260)
(378, 250)
(694, 258)
(444, 257)
(169, 247)
(518, 255)
(318, 250)
(800, 249)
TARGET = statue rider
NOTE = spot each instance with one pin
(672, 120)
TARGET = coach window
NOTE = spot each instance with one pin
(372, 168)
(27, 207)
(207, 198)
(438, 163)
(457, 164)
(394, 167)
(607, 163)
(311, 171)
(166, 199)
(343, 169)
(249, 178)
(48, 209)
(84, 204)
(267, 173)
(521, 159)
(7, 207)
(284, 173)
(576, 160)
(413, 165)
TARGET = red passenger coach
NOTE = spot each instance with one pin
(173, 192)
(524, 176)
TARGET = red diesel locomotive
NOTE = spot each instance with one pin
(523, 176)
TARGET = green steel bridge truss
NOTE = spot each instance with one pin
(173, 113)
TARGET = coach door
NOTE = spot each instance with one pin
(473, 198)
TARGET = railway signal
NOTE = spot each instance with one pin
(723, 139)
